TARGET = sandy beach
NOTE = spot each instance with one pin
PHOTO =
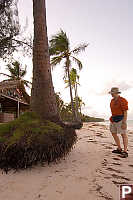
(90, 172)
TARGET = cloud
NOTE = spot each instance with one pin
(84, 108)
(122, 85)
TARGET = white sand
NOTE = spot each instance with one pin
(90, 172)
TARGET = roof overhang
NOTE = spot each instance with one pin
(3, 96)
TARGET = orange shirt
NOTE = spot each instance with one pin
(118, 106)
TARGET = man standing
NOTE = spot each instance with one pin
(118, 121)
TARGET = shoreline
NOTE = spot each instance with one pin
(89, 172)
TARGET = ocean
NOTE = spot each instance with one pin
(129, 124)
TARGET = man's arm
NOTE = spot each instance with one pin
(125, 117)
(124, 121)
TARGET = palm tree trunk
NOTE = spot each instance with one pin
(70, 86)
(76, 101)
(43, 99)
(80, 109)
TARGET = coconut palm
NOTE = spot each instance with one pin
(74, 77)
(43, 99)
(16, 72)
(60, 50)
(80, 103)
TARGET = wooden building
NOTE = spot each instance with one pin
(13, 100)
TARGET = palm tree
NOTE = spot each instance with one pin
(59, 48)
(74, 77)
(16, 72)
(80, 103)
(43, 99)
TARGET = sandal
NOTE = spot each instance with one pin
(124, 154)
(118, 151)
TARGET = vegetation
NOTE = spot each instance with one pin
(11, 39)
(74, 77)
(29, 140)
(16, 72)
(9, 27)
(86, 118)
(39, 136)
(35, 137)
(59, 48)
(65, 110)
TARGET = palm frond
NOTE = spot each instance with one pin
(11, 70)
(78, 62)
(6, 75)
(27, 83)
(66, 82)
(56, 60)
(78, 77)
(80, 48)
(59, 43)
(22, 73)
(17, 72)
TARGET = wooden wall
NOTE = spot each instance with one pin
(6, 117)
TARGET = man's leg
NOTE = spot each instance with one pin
(117, 140)
(125, 141)
(113, 130)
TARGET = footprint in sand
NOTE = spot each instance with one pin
(130, 165)
(58, 171)
(107, 177)
(120, 177)
(99, 187)
(86, 136)
(104, 163)
(119, 183)
(58, 191)
(81, 178)
(107, 147)
(100, 171)
(116, 163)
(74, 160)
(116, 159)
(91, 140)
(113, 170)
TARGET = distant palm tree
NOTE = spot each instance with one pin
(16, 72)
(74, 77)
(59, 48)
(80, 103)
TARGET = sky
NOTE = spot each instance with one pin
(107, 26)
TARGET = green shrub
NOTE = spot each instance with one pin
(28, 140)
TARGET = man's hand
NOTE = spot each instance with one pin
(124, 125)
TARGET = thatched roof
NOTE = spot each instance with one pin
(14, 89)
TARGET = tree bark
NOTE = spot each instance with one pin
(43, 99)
